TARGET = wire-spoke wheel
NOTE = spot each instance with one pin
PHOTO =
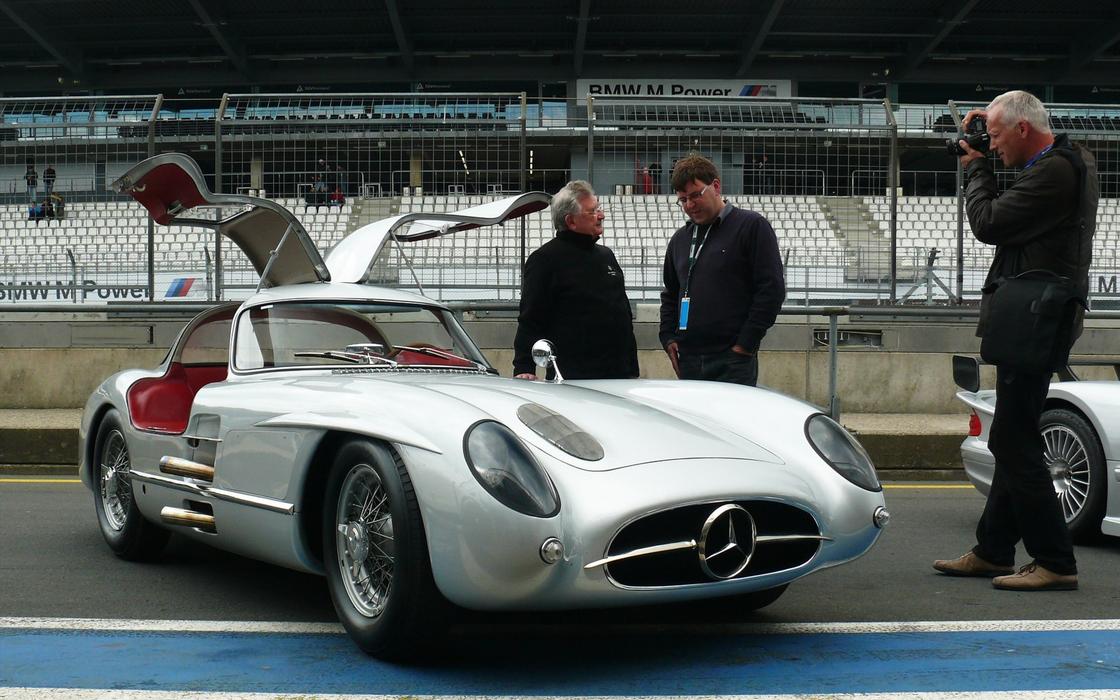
(115, 483)
(364, 540)
(1076, 463)
(125, 530)
(376, 556)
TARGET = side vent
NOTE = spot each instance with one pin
(188, 518)
(185, 467)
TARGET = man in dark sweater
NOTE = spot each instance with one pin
(1045, 220)
(573, 294)
(724, 284)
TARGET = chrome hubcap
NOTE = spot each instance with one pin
(116, 480)
(364, 540)
(1069, 468)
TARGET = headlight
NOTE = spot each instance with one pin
(560, 431)
(504, 467)
(837, 447)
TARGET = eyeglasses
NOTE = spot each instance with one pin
(694, 197)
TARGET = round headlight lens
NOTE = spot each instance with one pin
(504, 467)
(843, 453)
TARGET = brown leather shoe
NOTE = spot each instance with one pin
(971, 565)
(1033, 577)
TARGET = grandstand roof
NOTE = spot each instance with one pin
(391, 45)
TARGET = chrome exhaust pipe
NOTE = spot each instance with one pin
(185, 467)
(188, 518)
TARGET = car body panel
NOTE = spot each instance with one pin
(1097, 401)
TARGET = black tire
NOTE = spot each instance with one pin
(126, 531)
(1076, 462)
(378, 572)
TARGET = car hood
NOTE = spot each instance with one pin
(631, 429)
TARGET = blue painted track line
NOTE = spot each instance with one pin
(620, 664)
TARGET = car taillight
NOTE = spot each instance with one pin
(974, 425)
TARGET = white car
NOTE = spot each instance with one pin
(1081, 438)
(353, 431)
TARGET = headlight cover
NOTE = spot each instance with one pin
(842, 452)
(560, 431)
(503, 466)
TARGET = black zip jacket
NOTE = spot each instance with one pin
(573, 294)
(737, 287)
(1044, 221)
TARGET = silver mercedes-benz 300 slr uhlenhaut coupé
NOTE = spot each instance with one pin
(355, 431)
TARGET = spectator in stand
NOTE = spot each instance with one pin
(59, 205)
(337, 198)
(49, 176)
(35, 212)
(32, 178)
(48, 208)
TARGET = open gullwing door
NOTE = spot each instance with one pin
(274, 240)
(353, 258)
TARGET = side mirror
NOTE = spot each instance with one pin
(966, 372)
(544, 356)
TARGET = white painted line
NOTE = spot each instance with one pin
(72, 694)
(86, 624)
(234, 626)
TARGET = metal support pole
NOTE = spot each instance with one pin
(524, 183)
(892, 183)
(218, 188)
(590, 139)
(833, 399)
(960, 213)
(152, 224)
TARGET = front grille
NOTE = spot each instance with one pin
(682, 567)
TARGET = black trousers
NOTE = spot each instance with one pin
(1022, 503)
(725, 366)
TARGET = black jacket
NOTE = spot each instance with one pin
(737, 287)
(1044, 221)
(573, 293)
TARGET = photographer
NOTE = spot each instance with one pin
(1044, 221)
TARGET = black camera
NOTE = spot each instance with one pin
(976, 136)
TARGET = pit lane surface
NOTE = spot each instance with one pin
(943, 634)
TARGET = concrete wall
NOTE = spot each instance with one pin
(57, 363)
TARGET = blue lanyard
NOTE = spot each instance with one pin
(1041, 153)
(695, 245)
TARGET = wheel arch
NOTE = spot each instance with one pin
(315, 486)
(1052, 403)
(87, 448)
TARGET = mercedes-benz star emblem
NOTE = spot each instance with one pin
(727, 542)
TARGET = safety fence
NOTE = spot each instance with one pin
(862, 210)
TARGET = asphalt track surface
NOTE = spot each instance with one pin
(76, 619)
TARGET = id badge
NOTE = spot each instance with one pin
(683, 325)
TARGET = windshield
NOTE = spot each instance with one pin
(385, 335)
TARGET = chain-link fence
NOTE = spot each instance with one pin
(863, 195)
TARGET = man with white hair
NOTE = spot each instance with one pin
(573, 293)
(1044, 221)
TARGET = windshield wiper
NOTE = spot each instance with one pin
(442, 354)
(358, 358)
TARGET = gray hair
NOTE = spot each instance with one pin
(1019, 105)
(566, 201)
